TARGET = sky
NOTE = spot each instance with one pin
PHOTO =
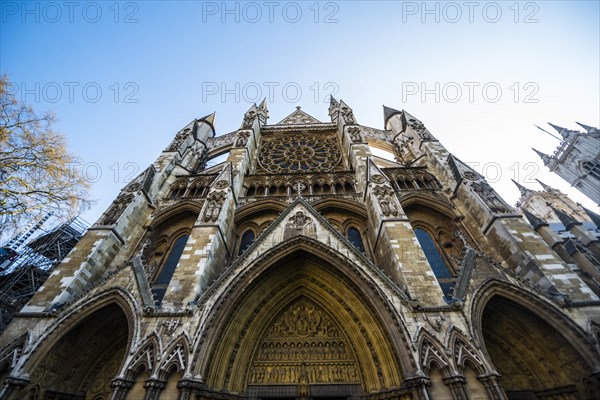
(124, 77)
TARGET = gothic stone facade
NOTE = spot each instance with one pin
(577, 159)
(306, 267)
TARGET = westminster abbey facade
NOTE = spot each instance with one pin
(306, 267)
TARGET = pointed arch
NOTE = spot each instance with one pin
(302, 267)
(531, 342)
(537, 305)
(11, 354)
(463, 352)
(85, 348)
(174, 211)
(431, 351)
(176, 357)
(146, 357)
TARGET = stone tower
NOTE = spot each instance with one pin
(306, 267)
(577, 160)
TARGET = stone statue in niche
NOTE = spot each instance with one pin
(354, 133)
(242, 139)
(248, 120)
(489, 197)
(214, 203)
(117, 208)
(348, 116)
(179, 139)
(386, 201)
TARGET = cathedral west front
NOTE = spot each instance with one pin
(306, 267)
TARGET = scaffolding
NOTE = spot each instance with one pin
(34, 262)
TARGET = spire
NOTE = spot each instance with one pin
(588, 129)
(524, 191)
(333, 102)
(565, 219)
(546, 187)
(204, 127)
(593, 216)
(346, 113)
(334, 109)
(558, 129)
(545, 157)
(534, 220)
(210, 119)
(373, 170)
(388, 113)
(263, 104)
(567, 134)
(545, 131)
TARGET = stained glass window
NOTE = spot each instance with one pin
(247, 239)
(355, 238)
(299, 153)
(161, 282)
(439, 267)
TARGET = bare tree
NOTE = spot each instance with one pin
(37, 173)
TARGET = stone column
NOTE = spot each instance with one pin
(492, 385)
(418, 387)
(187, 387)
(120, 388)
(457, 387)
(12, 386)
(153, 388)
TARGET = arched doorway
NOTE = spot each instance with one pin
(85, 359)
(302, 328)
(535, 360)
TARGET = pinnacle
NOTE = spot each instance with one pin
(567, 220)
(593, 216)
(534, 220)
(388, 112)
(586, 127)
(558, 129)
(522, 188)
(209, 118)
(546, 187)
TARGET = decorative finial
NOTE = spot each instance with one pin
(298, 107)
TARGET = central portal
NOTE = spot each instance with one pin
(303, 345)
(304, 353)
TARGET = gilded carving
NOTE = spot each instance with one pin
(303, 345)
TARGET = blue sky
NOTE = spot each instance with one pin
(124, 77)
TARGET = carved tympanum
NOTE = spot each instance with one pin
(303, 345)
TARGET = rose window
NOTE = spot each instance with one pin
(299, 153)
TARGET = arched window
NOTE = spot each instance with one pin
(159, 286)
(436, 260)
(247, 239)
(355, 238)
(592, 168)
